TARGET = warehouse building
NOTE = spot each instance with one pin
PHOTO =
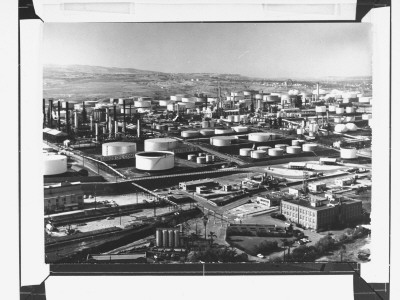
(62, 197)
(321, 214)
(192, 185)
(273, 199)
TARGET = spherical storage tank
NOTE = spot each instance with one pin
(245, 151)
(261, 136)
(293, 149)
(160, 144)
(155, 160)
(309, 147)
(222, 140)
(275, 152)
(55, 164)
(348, 153)
(189, 133)
(257, 154)
(118, 148)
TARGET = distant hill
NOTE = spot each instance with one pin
(93, 70)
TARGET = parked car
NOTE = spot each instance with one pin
(259, 255)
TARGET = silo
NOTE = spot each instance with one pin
(192, 157)
(245, 151)
(201, 160)
(159, 239)
(275, 152)
(348, 153)
(171, 238)
(293, 150)
(309, 147)
(176, 238)
(258, 154)
(165, 238)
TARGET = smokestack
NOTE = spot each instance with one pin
(84, 113)
(115, 112)
(107, 116)
(317, 91)
(76, 121)
(91, 123)
(44, 112)
(59, 115)
(124, 106)
(130, 110)
(96, 131)
(116, 127)
(110, 128)
(138, 128)
(67, 120)
(50, 118)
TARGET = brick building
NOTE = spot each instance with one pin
(63, 196)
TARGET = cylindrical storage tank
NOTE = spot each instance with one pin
(281, 146)
(187, 104)
(164, 102)
(176, 238)
(350, 119)
(298, 142)
(205, 124)
(332, 108)
(339, 110)
(340, 128)
(207, 132)
(236, 118)
(350, 109)
(245, 151)
(348, 153)
(201, 160)
(240, 129)
(366, 116)
(209, 158)
(117, 148)
(258, 154)
(55, 164)
(351, 127)
(231, 118)
(320, 109)
(246, 93)
(264, 148)
(189, 134)
(309, 147)
(165, 238)
(300, 130)
(337, 119)
(161, 127)
(223, 131)
(259, 96)
(275, 152)
(192, 157)
(272, 98)
(262, 136)
(142, 104)
(171, 238)
(160, 144)
(212, 123)
(293, 150)
(364, 99)
(222, 140)
(159, 238)
(155, 160)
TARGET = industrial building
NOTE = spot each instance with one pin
(192, 185)
(63, 197)
(273, 199)
(319, 213)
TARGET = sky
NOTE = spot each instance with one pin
(269, 50)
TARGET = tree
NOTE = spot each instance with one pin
(212, 235)
(304, 253)
(287, 244)
(266, 247)
(342, 251)
(325, 244)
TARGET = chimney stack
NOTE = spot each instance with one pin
(59, 115)
(96, 131)
(67, 118)
(50, 118)
(138, 128)
(76, 121)
(124, 106)
(44, 112)
(116, 127)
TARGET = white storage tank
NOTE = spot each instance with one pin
(223, 131)
(300, 131)
(155, 160)
(281, 146)
(351, 127)
(55, 164)
(236, 118)
(176, 238)
(332, 108)
(350, 109)
(245, 151)
(160, 144)
(205, 124)
(207, 132)
(201, 160)
(222, 140)
(143, 104)
(165, 238)
(309, 147)
(366, 116)
(189, 133)
(118, 148)
(350, 119)
(192, 157)
(264, 148)
(293, 150)
(364, 99)
(339, 110)
(348, 153)
(164, 102)
(231, 118)
(159, 238)
(240, 128)
(340, 128)
(298, 142)
(262, 136)
(320, 109)
(275, 152)
(209, 158)
(212, 123)
(258, 154)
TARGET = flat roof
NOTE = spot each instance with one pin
(307, 204)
